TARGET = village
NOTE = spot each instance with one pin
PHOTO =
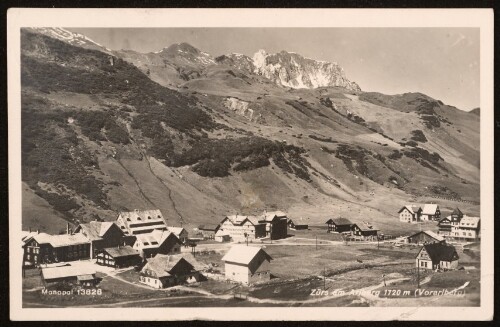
(245, 260)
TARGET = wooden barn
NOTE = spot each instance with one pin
(339, 225)
(69, 274)
(294, 226)
(364, 231)
(118, 257)
(425, 237)
(247, 264)
(208, 231)
(437, 256)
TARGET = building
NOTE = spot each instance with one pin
(437, 256)
(425, 237)
(157, 242)
(141, 222)
(294, 226)
(276, 224)
(170, 270)
(222, 236)
(241, 228)
(46, 248)
(431, 212)
(444, 226)
(339, 225)
(181, 233)
(364, 231)
(69, 274)
(410, 214)
(208, 231)
(103, 235)
(456, 216)
(247, 264)
(118, 257)
(468, 229)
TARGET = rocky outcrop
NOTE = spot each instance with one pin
(239, 106)
(293, 70)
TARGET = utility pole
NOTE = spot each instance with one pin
(418, 274)
(324, 279)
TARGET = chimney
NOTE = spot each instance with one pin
(38, 231)
(30, 229)
(67, 228)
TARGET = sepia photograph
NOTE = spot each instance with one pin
(295, 166)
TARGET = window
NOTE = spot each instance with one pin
(139, 218)
(28, 257)
(149, 217)
(156, 281)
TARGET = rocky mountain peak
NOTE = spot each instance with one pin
(291, 69)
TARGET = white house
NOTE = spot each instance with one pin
(247, 264)
(437, 256)
(181, 233)
(410, 214)
(169, 270)
(431, 212)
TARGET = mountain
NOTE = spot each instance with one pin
(69, 37)
(101, 133)
(476, 111)
(293, 70)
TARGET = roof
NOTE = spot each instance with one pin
(141, 215)
(412, 208)
(243, 254)
(122, 251)
(430, 209)
(66, 271)
(340, 221)
(240, 219)
(176, 230)
(85, 277)
(365, 226)
(440, 251)
(211, 227)
(25, 235)
(155, 238)
(443, 219)
(60, 240)
(269, 216)
(469, 222)
(221, 233)
(162, 264)
(95, 230)
(457, 212)
(431, 234)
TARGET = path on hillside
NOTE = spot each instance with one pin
(136, 183)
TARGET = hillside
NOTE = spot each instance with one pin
(200, 137)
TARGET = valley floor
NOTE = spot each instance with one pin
(306, 272)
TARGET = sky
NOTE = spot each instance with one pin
(440, 62)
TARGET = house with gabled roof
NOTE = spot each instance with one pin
(339, 225)
(241, 227)
(118, 257)
(437, 256)
(276, 224)
(364, 230)
(157, 242)
(425, 237)
(208, 230)
(430, 211)
(247, 264)
(410, 213)
(46, 248)
(444, 226)
(181, 233)
(295, 226)
(103, 235)
(468, 229)
(170, 270)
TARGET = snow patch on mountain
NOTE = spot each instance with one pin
(72, 38)
(239, 106)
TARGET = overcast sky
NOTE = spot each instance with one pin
(440, 62)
